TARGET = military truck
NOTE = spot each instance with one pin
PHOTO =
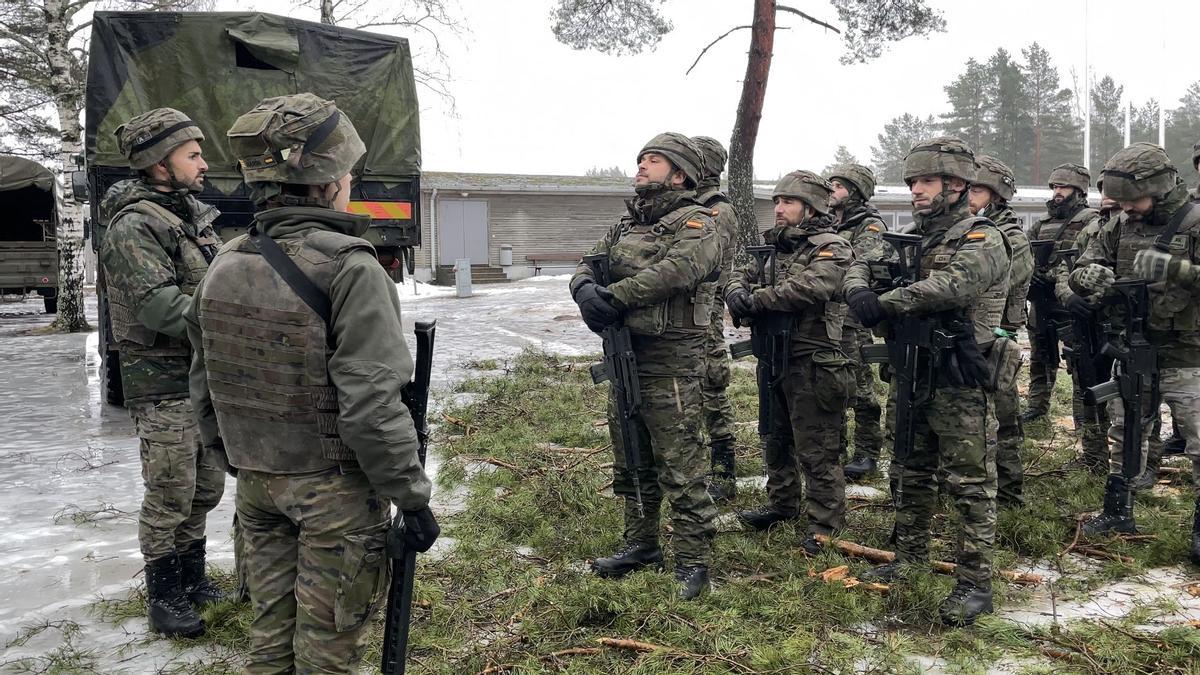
(28, 230)
(214, 66)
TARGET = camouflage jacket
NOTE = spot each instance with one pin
(281, 392)
(862, 226)
(1174, 325)
(1021, 273)
(664, 256)
(156, 249)
(725, 217)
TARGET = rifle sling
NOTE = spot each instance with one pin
(1163, 243)
(299, 282)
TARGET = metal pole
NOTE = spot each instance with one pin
(1087, 94)
(1128, 116)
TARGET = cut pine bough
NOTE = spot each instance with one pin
(881, 556)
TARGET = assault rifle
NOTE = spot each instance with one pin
(619, 368)
(770, 340)
(415, 395)
(1045, 305)
(1136, 374)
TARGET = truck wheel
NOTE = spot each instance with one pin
(51, 305)
(110, 378)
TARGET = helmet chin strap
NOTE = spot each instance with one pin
(172, 182)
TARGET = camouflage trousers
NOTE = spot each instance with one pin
(718, 412)
(674, 466)
(1010, 436)
(868, 437)
(182, 481)
(1091, 425)
(1180, 390)
(808, 412)
(316, 567)
(951, 448)
(1090, 421)
(1042, 373)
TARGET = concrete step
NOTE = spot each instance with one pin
(480, 274)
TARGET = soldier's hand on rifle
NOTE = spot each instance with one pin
(1042, 282)
(596, 306)
(1154, 265)
(412, 531)
(1095, 278)
(1079, 306)
(740, 303)
(864, 304)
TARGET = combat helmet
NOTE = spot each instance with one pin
(807, 186)
(1140, 170)
(996, 176)
(680, 150)
(1073, 175)
(714, 155)
(861, 178)
(941, 156)
(300, 139)
(147, 139)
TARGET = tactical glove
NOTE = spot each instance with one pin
(1079, 306)
(412, 531)
(1154, 265)
(864, 304)
(1095, 278)
(740, 302)
(973, 365)
(1042, 282)
(595, 305)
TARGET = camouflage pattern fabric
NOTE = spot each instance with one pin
(183, 482)
(319, 568)
(149, 138)
(718, 412)
(868, 436)
(1180, 390)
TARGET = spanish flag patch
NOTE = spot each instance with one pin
(976, 236)
(825, 254)
(875, 228)
(695, 224)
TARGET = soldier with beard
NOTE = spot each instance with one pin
(808, 404)
(1147, 186)
(660, 254)
(964, 287)
(859, 223)
(994, 185)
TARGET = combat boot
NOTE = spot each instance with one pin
(1196, 534)
(859, 467)
(199, 589)
(764, 518)
(811, 546)
(1175, 445)
(1117, 515)
(1032, 415)
(1149, 475)
(966, 602)
(170, 612)
(722, 481)
(629, 558)
(692, 581)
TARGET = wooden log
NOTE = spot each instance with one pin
(881, 556)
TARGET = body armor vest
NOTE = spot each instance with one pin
(1064, 232)
(132, 337)
(988, 309)
(267, 355)
(1172, 307)
(818, 326)
(642, 245)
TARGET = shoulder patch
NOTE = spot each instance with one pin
(716, 212)
(976, 236)
(695, 224)
(825, 254)
(874, 228)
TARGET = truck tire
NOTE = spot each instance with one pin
(51, 305)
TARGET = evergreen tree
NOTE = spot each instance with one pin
(1143, 125)
(1108, 121)
(1056, 136)
(898, 137)
(841, 156)
(968, 96)
(1010, 137)
(1183, 130)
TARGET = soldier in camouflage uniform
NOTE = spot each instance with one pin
(718, 413)
(157, 246)
(964, 269)
(808, 404)
(994, 185)
(309, 415)
(664, 256)
(860, 224)
(1146, 184)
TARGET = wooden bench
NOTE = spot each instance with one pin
(539, 258)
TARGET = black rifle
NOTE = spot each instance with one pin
(1045, 320)
(1138, 370)
(770, 340)
(415, 395)
(619, 368)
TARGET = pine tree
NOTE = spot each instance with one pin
(1055, 135)
(1108, 121)
(898, 137)
(1143, 125)
(1183, 130)
(968, 97)
(1009, 138)
(841, 156)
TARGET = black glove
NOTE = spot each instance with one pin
(740, 302)
(972, 364)
(412, 531)
(864, 304)
(595, 305)
(1043, 282)
(1078, 306)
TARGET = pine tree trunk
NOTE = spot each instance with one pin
(68, 100)
(745, 128)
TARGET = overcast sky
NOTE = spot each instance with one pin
(527, 104)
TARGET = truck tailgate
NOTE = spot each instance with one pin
(28, 264)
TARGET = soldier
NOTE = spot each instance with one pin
(1146, 184)
(307, 407)
(988, 197)
(718, 413)
(156, 249)
(808, 405)
(860, 224)
(661, 253)
(964, 270)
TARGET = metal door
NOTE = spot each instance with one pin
(462, 230)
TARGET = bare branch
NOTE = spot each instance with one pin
(706, 48)
(792, 10)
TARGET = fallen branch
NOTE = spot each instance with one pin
(573, 651)
(633, 645)
(1095, 552)
(881, 556)
(500, 463)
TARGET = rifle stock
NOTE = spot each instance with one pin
(770, 340)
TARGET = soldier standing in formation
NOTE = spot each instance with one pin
(860, 224)
(808, 405)
(1142, 179)
(308, 408)
(661, 254)
(156, 250)
(964, 268)
(994, 185)
(718, 412)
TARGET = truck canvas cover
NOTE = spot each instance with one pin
(217, 65)
(17, 173)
